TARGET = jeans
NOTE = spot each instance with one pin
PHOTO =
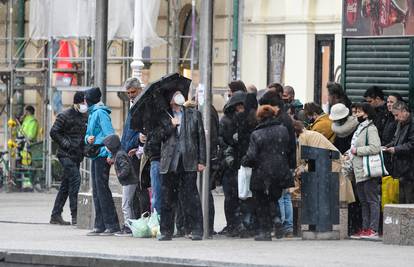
(286, 211)
(156, 185)
(369, 196)
(181, 185)
(68, 188)
(231, 199)
(128, 193)
(105, 212)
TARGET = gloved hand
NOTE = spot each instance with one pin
(236, 137)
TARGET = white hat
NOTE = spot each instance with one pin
(338, 111)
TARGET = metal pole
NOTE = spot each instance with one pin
(206, 45)
(175, 52)
(48, 117)
(193, 35)
(101, 39)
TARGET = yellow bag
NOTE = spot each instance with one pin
(390, 191)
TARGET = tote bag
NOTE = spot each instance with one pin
(374, 164)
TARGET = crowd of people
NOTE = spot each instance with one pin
(262, 131)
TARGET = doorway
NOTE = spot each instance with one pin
(324, 67)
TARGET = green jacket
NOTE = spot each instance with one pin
(30, 128)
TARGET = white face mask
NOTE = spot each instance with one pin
(83, 108)
(179, 99)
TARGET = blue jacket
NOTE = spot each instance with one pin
(99, 125)
(130, 138)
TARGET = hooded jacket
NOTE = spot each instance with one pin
(99, 125)
(122, 162)
(68, 132)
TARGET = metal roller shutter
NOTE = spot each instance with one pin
(385, 62)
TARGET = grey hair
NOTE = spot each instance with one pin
(289, 89)
(401, 106)
(132, 83)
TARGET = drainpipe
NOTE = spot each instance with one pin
(20, 55)
(235, 43)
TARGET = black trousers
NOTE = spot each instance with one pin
(184, 184)
(68, 188)
(231, 199)
(265, 203)
(406, 191)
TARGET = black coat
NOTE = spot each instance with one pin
(286, 121)
(68, 132)
(381, 117)
(155, 134)
(268, 156)
(403, 159)
(191, 142)
(123, 163)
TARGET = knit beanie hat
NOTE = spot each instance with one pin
(79, 97)
(93, 96)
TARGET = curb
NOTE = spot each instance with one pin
(76, 259)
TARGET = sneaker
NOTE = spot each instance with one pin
(95, 232)
(370, 235)
(109, 232)
(57, 219)
(358, 234)
(124, 232)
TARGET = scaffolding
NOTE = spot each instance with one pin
(20, 74)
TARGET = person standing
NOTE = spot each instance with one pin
(375, 97)
(183, 154)
(319, 121)
(68, 132)
(30, 126)
(267, 155)
(402, 150)
(366, 142)
(99, 127)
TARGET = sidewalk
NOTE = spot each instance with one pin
(24, 226)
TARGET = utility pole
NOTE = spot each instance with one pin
(101, 40)
(206, 66)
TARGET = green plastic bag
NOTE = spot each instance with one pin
(154, 224)
(140, 227)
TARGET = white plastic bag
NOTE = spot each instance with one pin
(244, 175)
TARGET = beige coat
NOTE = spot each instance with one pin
(315, 139)
(373, 148)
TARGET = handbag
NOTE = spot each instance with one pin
(92, 150)
(243, 176)
(373, 164)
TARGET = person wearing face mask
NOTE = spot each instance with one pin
(366, 142)
(68, 131)
(183, 154)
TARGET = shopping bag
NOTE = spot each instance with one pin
(243, 176)
(154, 223)
(390, 191)
(140, 227)
(373, 164)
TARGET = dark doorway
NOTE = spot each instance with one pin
(324, 66)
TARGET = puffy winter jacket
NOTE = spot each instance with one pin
(68, 132)
(99, 125)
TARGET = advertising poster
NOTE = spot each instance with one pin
(378, 18)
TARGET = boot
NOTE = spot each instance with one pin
(74, 220)
(57, 219)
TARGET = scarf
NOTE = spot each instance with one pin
(361, 127)
(347, 128)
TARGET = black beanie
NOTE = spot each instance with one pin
(93, 96)
(79, 97)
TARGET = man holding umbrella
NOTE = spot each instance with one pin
(183, 154)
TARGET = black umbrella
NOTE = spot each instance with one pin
(154, 100)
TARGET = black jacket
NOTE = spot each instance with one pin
(68, 132)
(268, 156)
(191, 142)
(286, 121)
(124, 168)
(381, 116)
(403, 159)
(235, 129)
